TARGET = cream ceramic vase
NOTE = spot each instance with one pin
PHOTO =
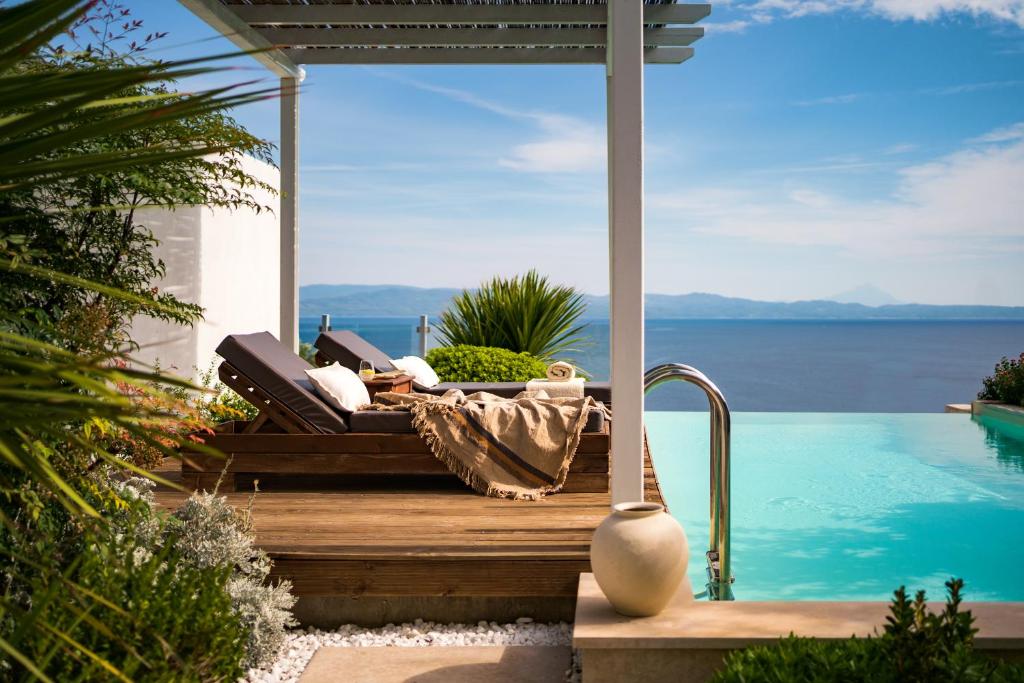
(639, 556)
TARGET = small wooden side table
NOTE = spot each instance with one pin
(400, 385)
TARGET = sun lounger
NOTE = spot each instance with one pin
(348, 348)
(296, 433)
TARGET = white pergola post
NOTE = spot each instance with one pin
(625, 74)
(289, 212)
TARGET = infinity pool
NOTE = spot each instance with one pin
(848, 506)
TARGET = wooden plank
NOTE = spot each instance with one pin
(476, 55)
(348, 463)
(467, 37)
(353, 443)
(432, 577)
(457, 15)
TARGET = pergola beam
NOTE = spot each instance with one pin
(468, 37)
(455, 15)
(477, 55)
(238, 31)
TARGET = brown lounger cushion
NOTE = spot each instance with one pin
(281, 374)
(394, 421)
(348, 348)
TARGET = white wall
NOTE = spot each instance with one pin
(227, 262)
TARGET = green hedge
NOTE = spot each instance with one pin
(484, 364)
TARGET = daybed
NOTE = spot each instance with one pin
(296, 433)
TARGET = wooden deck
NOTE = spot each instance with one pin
(405, 540)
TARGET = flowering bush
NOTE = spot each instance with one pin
(1006, 384)
(184, 415)
(176, 416)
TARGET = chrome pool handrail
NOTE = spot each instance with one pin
(719, 570)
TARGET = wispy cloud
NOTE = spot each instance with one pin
(567, 144)
(736, 26)
(901, 148)
(973, 87)
(848, 98)
(967, 204)
(1006, 134)
(1011, 11)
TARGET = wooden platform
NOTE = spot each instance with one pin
(359, 554)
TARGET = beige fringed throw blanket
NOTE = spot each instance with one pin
(502, 447)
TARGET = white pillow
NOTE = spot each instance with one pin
(420, 370)
(339, 386)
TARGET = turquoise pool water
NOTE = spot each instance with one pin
(848, 506)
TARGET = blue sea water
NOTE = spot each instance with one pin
(787, 365)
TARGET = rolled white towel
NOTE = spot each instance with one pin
(560, 371)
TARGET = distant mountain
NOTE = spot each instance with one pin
(373, 300)
(403, 301)
(866, 294)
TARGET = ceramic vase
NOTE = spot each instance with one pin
(639, 556)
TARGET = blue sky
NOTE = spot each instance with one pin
(809, 147)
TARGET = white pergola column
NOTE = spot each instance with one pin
(625, 74)
(289, 212)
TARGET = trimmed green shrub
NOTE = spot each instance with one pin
(465, 363)
(523, 313)
(1006, 384)
(916, 646)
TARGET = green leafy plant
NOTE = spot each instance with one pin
(81, 601)
(308, 352)
(916, 646)
(523, 314)
(94, 225)
(219, 403)
(464, 363)
(1006, 383)
(127, 602)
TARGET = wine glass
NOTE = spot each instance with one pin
(366, 370)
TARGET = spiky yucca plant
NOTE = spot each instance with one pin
(521, 313)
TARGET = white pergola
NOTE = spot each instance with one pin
(621, 34)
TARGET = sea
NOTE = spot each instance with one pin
(899, 366)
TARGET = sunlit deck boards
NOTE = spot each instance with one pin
(441, 541)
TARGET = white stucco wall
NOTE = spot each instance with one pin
(227, 262)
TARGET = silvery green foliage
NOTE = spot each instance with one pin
(265, 609)
(209, 532)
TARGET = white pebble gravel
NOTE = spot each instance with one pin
(303, 643)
